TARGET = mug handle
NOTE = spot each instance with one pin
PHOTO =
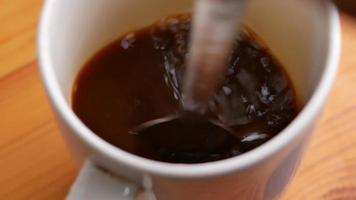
(94, 183)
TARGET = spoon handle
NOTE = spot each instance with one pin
(216, 24)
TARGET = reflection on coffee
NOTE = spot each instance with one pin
(139, 77)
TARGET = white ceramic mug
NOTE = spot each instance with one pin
(304, 35)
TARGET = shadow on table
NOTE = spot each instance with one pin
(347, 6)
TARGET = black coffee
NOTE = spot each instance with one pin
(139, 77)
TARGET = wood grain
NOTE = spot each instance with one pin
(34, 162)
(18, 31)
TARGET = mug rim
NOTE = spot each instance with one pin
(238, 163)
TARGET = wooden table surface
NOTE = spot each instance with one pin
(35, 164)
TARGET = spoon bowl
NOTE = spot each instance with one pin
(188, 138)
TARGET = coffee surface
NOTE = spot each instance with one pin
(139, 78)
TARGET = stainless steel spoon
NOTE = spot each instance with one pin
(216, 24)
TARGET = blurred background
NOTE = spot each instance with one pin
(35, 164)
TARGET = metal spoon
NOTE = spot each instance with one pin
(190, 136)
(216, 24)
